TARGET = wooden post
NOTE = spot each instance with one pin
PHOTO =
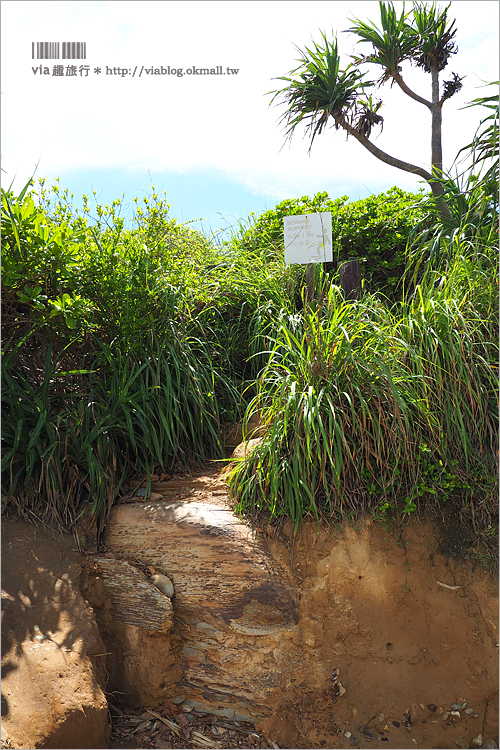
(350, 278)
(310, 282)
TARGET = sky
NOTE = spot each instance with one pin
(213, 143)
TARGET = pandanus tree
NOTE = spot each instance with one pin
(320, 92)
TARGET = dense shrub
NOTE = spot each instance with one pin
(124, 348)
(374, 229)
(368, 408)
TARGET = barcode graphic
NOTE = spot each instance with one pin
(50, 50)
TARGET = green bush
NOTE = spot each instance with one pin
(124, 348)
(374, 229)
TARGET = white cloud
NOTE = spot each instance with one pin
(190, 123)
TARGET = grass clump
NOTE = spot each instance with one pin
(376, 408)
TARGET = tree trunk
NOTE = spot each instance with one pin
(436, 146)
(386, 158)
(436, 187)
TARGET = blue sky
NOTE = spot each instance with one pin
(211, 142)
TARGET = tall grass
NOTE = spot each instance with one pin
(368, 407)
(127, 358)
(152, 406)
(131, 355)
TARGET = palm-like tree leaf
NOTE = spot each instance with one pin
(433, 37)
(485, 143)
(392, 43)
(318, 89)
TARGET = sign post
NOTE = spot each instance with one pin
(308, 240)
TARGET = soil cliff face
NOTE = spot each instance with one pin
(53, 657)
(328, 638)
(409, 633)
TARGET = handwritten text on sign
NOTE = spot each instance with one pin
(308, 238)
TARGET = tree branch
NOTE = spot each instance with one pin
(402, 85)
(391, 160)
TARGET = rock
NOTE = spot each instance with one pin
(53, 658)
(338, 689)
(232, 604)
(135, 620)
(478, 741)
(413, 713)
(155, 496)
(163, 584)
(244, 449)
(234, 435)
(142, 492)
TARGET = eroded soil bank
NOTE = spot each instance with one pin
(53, 658)
(405, 631)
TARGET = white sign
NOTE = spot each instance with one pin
(308, 238)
